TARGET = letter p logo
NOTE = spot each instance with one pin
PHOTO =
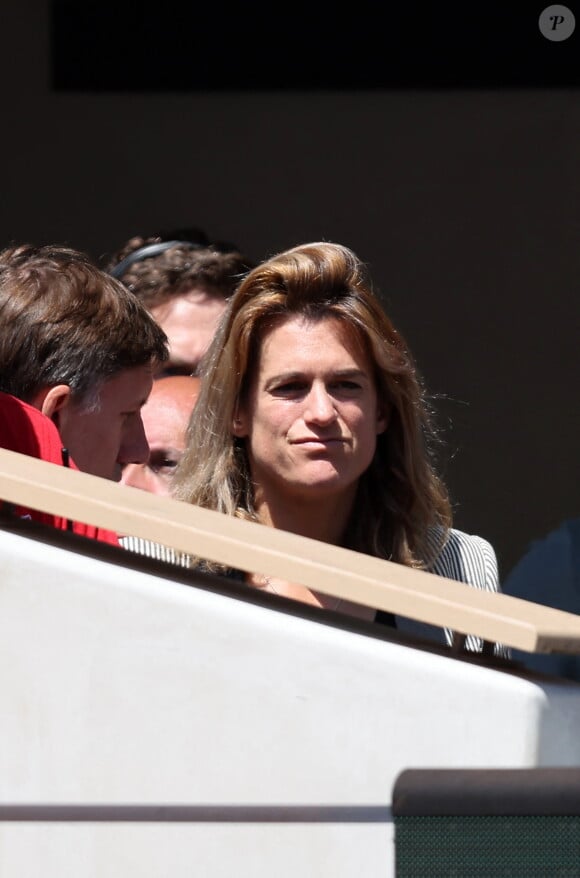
(557, 23)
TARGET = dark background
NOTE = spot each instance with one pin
(188, 46)
(441, 145)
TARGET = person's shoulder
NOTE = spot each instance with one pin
(548, 572)
(151, 549)
(467, 558)
(171, 556)
(466, 542)
(12, 405)
(26, 429)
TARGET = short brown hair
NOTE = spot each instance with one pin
(157, 275)
(64, 321)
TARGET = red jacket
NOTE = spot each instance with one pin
(25, 429)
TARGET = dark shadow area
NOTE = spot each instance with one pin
(113, 47)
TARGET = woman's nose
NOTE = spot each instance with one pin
(319, 405)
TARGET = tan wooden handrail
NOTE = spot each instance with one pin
(252, 547)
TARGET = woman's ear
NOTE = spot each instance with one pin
(383, 417)
(239, 425)
(52, 400)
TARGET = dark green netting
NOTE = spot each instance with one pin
(490, 846)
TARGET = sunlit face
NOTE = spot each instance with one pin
(103, 438)
(189, 322)
(165, 418)
(312, 417)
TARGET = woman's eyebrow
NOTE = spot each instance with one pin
(350, 373)
(283, 377)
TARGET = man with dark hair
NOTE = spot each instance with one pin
(76, 344)
(184, 280)
(26, 430)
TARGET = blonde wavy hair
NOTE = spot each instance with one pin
(401, 502)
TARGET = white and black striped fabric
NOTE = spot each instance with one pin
(155, 550)
(466, 558)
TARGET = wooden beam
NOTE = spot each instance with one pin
(343, 573)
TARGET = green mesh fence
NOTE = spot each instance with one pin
(490, 846)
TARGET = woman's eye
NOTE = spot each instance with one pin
(290, 387)
(347, 385)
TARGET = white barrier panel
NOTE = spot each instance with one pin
(280, 731)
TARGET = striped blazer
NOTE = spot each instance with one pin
(465, 558)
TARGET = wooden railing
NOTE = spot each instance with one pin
(248, 546)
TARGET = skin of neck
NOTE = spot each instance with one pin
(325, 519)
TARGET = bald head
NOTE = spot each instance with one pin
(165, 418)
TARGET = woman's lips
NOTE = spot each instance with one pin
(318, 440)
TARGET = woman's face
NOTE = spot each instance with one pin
(311, 417)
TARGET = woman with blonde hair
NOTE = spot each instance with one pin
(312, 418)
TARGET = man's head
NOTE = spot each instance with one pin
(79, 346)
(165, 418)
(184, 280)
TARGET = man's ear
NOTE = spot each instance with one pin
(52, 400)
